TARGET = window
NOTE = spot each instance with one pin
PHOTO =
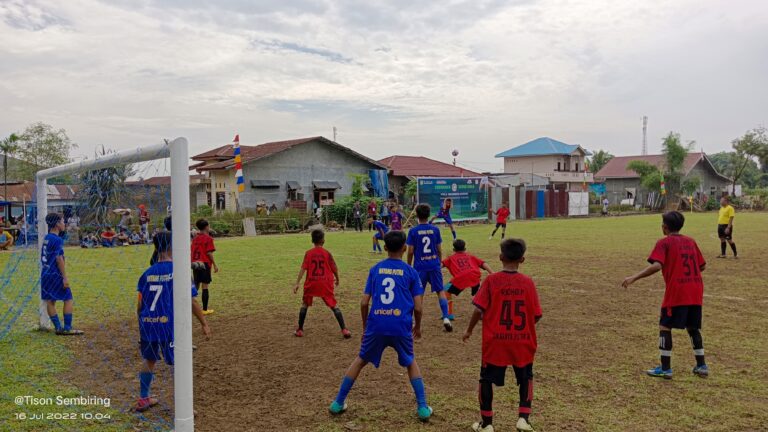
(577, 167)
(558, 166)
(221, 200)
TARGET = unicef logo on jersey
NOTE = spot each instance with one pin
(396, 312)
(388, 312)
(454, 187)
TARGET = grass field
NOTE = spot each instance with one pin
(595, 339)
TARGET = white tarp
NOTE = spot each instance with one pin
(578, 204)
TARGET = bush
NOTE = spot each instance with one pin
(204, 211)
(712, 204)
(220, 227)
(341, 210)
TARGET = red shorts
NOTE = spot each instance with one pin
(329, 299)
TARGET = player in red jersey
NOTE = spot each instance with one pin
(501, 221)
(465, 269)
(680, 261)
(321, 271)
(509, 307)
(202, 260)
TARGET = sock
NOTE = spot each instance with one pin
(145, 379)
(67, 321)
(698, 345)
(205, 299)
(421, 394)
(346, 386)
(55, 321)
(443, 306)
(302, 317)
(722, 248)
(665, 348)
(526, 391)
(502, 234)
(485, 395)
(339, 317)
(378, 246)
(450, 304)
(733, 248)
(494, 232)
(453, 233)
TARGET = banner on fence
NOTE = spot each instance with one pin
(469, 195)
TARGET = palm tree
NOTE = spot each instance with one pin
(8, 146)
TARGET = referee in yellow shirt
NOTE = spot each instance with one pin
(725, 226)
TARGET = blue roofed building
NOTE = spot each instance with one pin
(563, 164)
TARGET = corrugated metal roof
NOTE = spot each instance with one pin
(265, 183)
(321, 184)
(419, 166)
(542, 147)
(617, 167)
(293, 185)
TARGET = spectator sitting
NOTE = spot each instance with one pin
(273, 208)
(108, 237)
(135, 238)
(87, 242)
(6, 239)
(122, 238)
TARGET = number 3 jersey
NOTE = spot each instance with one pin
(319, 265)
(681, 263)
(392, 285)
(510, 306)
(155, 289)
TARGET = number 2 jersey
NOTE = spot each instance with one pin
(320, 266)
(681, 263)
(510, 306)
(155, 289)
(392, 285)
(425, 238)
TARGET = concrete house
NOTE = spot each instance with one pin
(403, 169)
(622, 183)
(563, 164)
(294, 173)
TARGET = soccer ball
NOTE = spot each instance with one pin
(455, 153)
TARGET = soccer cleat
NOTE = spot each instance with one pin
(69, 332)
(447, 324)
(336, 408)
(722, 256)
(489, 238)
(658, 372)
(701, 371)
(299, 333)
(144, 404)
(524, 426)
(207, 311)
(478, 427)
(346, 333)
(451, 317)
(424, 413)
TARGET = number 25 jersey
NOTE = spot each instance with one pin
(681, 263)
(392, 285)
(510, 306)
(319, 264)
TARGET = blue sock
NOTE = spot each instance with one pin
(454, 234)
(374, 247)
(421, 394)
(55, 321)
(67, 321)
(145, 378)
(346, 386)
(444, 306)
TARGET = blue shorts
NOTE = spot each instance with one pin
(151, 351)
(432, 277)
(373, 347)
(53, 289)
(378, 236)
(446, 217)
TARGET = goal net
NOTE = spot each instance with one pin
(111, 206)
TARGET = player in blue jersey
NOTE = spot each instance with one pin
(155, 311)
(445, 214)
(381, 228)
(425, 253)
(395, 294)
(54, 284)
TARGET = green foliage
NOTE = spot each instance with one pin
(358, 181)
(220, 227)
(753, 144)
(43, 147)
(411, 188)
(712, 204)
(9, 147)
(341, 210)
(103, 188)
(204, 211)
(674, 158)
(726, 163)
(650, 176)
(690, 185)
(599, 160)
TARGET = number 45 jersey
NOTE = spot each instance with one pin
(392, 285)
(510, 306)
(155, 289)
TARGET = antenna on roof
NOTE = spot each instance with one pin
(334, 133)
(645, 136)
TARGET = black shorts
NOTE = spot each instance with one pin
(680, 317)
(201, 274)
(499, 224)
(721, 232)
(495, 374)
(456, 291)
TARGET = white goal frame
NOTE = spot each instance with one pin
(178, 151)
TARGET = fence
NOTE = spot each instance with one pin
(527, 203)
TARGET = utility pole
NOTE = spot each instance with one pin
(334, 134)
(645, 136)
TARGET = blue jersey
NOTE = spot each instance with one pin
(156, 316)
(379, 225)
(425, 238)
(392, 285)
(53, 247)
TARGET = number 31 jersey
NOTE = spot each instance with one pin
(510, 306)
(392, 285)
(681, 263)
(319, 264)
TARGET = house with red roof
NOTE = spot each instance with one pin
(622, 183)
(403, 169)
(293, 173)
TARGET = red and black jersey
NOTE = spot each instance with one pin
(201, 245)
(681, 263)
(501, 215)
(464, 268)
(320, 267)
(510, 306)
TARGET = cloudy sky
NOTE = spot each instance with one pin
(395, 77)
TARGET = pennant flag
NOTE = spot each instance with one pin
(663, 186)
(238, 165)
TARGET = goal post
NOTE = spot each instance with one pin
(178, 152)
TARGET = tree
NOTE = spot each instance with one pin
(725, 162)
(650, 176)
(690, 185)
(43, 147)
(358, 181)
(103, 188)
(8, 146)
(753, 144)
(599, 160)
(674, 159)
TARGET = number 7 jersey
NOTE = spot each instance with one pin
(392, 285)
(510, 306)
(155, 289)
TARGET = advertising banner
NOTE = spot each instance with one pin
(469, 196)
